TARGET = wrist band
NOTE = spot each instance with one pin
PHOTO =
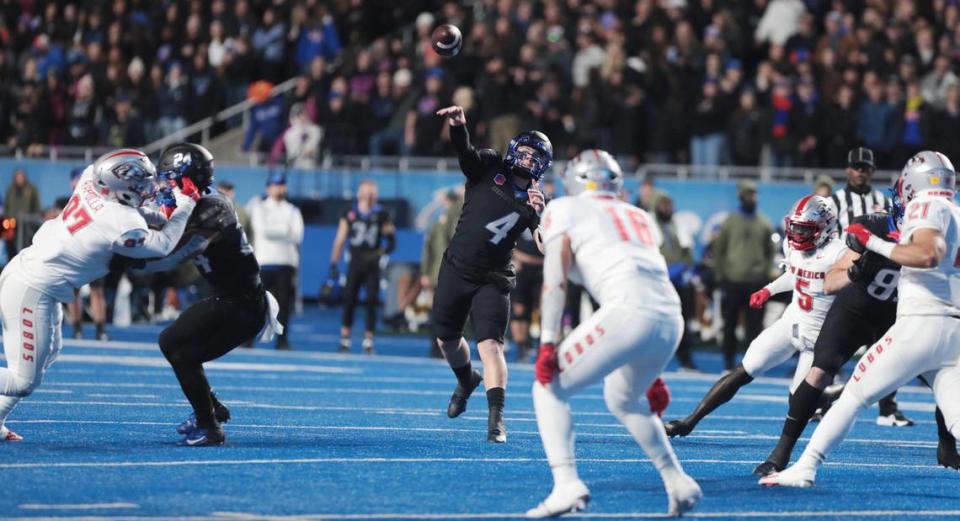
(880, 246)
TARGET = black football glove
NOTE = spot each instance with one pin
(334, 273)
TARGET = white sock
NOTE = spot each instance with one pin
(7, 403)
(556, 431)
(832, 429)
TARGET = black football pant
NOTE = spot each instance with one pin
(736, 296)
(278, 280)
(362, 273)
(206, 331)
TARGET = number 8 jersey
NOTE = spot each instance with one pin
(616, 246)
(76, 247)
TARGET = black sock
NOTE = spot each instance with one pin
(464, 375)
(803, 403)
(721, 393)
(193, 382)
(496, 397)
(100, 329)
(946, 438)
(888, 404)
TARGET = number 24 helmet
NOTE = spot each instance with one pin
(126, 176)
(810, 224)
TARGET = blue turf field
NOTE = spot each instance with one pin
(317, 435)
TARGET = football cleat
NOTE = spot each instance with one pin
(7, 435)
(796, 476)
(220, 412)
(565, 499)
(766, 468)
(204, 437)
(683, 494)
(458, 401)
(496, 430)
(677, 428)
(344, 345)
(948, 457)
(896, 419)
(368, 346)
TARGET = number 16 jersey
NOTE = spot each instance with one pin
(616, 251)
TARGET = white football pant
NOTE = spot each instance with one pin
(774, 346)
(31, 339)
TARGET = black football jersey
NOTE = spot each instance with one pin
(227, 263)
(366, 231)
(874, 294)
(495, 212)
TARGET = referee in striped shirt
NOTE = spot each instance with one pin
(858, 197)
(853, 200)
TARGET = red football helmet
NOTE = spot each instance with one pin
(810, 223)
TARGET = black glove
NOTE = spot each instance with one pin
(334, 273)
(862, 267)
(120, 263)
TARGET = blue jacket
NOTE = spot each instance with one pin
(875, 125)
(267, 120)
(317, 41)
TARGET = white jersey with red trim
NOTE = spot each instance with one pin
(931, 291)
(76, 247)
(616, 250)
(810, 302)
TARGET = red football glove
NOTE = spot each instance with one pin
(758, 298)
(189, 189)
(861, 233)
(659, 396)
(547, 365)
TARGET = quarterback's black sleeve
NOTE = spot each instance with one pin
(474, 163)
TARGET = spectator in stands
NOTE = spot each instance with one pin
(708, 144)
(945, 125)
(124, 128)
(317, 37)
(339, 121)
(746, 131)
(266, 118)
(823, 186)
(301, 141)
(937, 81)
(874, 123)
(840, 126)
(743, 253)
(911, 124)
(205, 90)
(84, 114)
(807, 122)
(423, 128)
(388, 113)
(22, 202)
(782, 146)
(278, 234)
(268, 42)
(173, 99)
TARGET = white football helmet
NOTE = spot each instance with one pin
(810, 224)
(593, 170)
(928, 170)
(126, 176)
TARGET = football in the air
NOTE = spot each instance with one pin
(447, 40)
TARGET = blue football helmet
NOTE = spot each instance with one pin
(539, 161)
(897, 206)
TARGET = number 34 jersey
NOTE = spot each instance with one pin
(76, 247)
(616, 250)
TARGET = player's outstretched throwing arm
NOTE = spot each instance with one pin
(474, 162)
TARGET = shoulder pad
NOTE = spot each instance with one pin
(213, 212)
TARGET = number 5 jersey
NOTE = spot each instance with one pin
(76, 247)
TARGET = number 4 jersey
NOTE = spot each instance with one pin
(76, 247)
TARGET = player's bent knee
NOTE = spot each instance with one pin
(23, 387)
(622, 403)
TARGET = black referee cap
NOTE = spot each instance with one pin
(860, 156)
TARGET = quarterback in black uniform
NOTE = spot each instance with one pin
(502, 199)
(865, 308)
(236, 312)
(366, 226)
